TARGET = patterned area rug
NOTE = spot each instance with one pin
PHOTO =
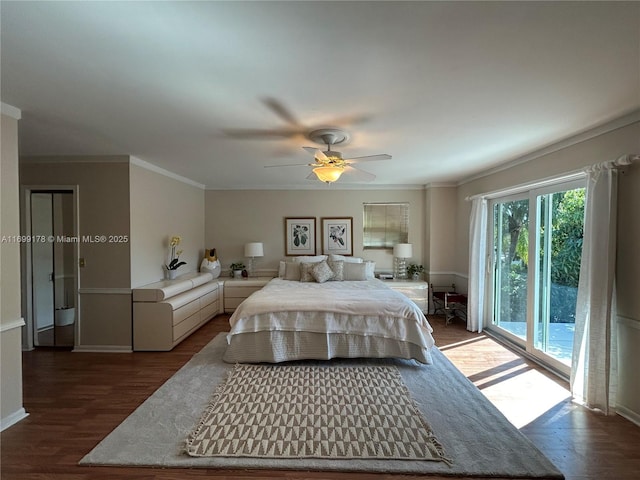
(272, 411)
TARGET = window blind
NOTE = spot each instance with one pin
(385, 224)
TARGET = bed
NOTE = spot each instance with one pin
(295, 320)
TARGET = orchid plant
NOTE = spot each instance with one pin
(174, 255)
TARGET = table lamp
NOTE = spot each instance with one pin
(401, 251)
(253, 250)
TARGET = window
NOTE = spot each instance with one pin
(385, 224)
(536, 238)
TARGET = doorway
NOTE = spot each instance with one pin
(51, 267)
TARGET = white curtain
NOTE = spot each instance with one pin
(477, 264)
(594, 367)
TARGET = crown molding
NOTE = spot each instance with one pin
(154, 168)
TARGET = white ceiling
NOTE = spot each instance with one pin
(450, 89)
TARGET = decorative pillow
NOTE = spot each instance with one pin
(305, 272)
(282, 268)
(371, 268)
(355, 271)
(338, 270)
(345, 259)
(322, 272)
(292, 271)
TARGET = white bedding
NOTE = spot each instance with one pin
(353, 318)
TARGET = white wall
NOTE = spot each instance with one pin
(162, 207)
(11, 409)
(235, 217)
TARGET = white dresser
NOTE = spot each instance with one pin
(416, 290)
(167, 312)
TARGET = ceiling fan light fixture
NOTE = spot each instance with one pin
(328, 174)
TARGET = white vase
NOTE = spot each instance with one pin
(237, 274)
(171, 274)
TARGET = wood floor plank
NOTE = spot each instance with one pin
(76, 399)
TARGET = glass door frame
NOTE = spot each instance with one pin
(533, 270)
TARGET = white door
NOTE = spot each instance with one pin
(42, 262)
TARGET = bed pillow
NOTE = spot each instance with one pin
(292, 271)
(338, 270)
(309, 258)
(355, 271)
(321, 272)
(282, 268)
(344, 258)
(305, 272)
(371, 268)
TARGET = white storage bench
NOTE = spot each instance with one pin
(167, 312)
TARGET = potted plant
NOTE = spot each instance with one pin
(237, 269)
(415, 271)
(174, 257)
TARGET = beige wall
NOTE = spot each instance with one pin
(103, 199)
(162, 207)
(608, 146)
(235, 217)
(627, 281)
(440, 253)
(11, 409)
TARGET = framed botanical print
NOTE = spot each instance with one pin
(337, 236)
(300, 236)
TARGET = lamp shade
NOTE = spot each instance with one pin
(402, 250)
(328, 174)
(253, 249)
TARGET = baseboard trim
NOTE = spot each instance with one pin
(630, 415)
(12, 419)
(102, 349)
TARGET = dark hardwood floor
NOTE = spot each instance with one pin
(75, 399)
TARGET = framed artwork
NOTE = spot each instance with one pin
(300, 236)
(337, 236)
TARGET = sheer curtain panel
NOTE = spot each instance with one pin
(594, 362)
(477, 265)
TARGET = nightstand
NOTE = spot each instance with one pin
(238, 289)
(416, 290)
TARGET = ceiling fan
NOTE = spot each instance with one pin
(293, 127)
(329, 164)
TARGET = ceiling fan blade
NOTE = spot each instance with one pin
(312, 176)
(283, 112)
(248, 133)
(319, 154)
(369, 158)
(290, 165)
(358, 174)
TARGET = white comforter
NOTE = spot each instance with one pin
(367, 308)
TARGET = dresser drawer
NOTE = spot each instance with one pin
(239, 291)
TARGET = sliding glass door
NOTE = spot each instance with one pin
(537, 244)
(511, 240)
